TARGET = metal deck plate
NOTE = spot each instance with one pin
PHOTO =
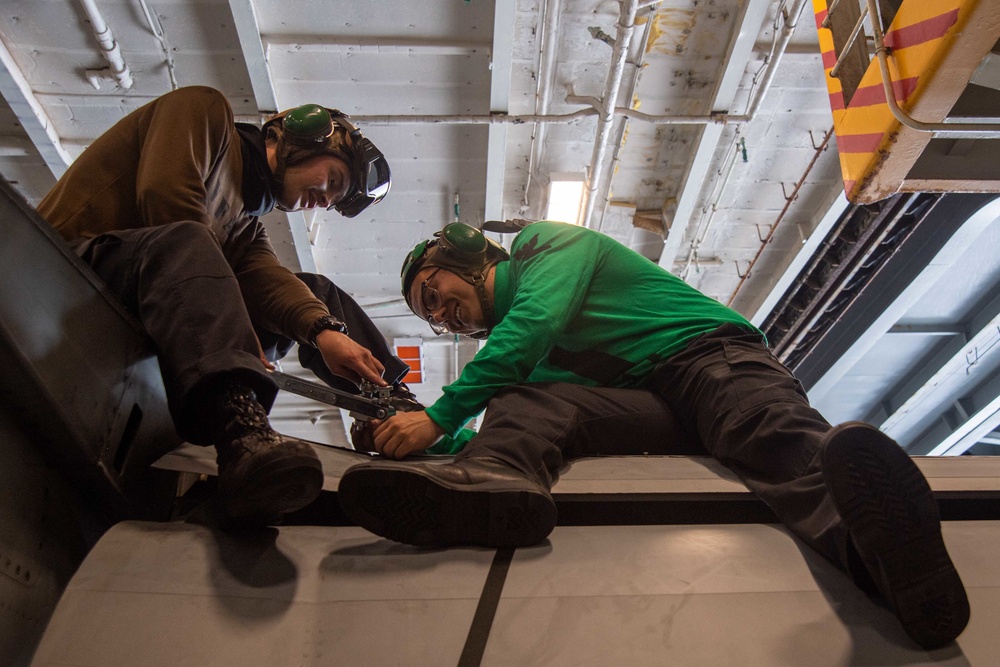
(154, 595)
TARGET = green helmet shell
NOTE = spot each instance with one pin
(459, 248)
(309, 124)
(462, 250)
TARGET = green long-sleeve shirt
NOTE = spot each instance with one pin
(574, 305)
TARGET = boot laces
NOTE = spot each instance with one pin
(246, 427)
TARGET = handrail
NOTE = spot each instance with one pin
(853, 38)
(940, 130)
(829, 12)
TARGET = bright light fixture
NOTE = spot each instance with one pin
(566, 198)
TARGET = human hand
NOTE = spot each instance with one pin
(405, 433)
(263, 357)
(346, 358)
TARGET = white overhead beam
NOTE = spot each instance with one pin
(501, 61)
(30, 114)
(245, 19)
(740, 49)
(953, 373)
(300, 239)
(975, 428)
(957, 244)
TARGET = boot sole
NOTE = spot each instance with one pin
(272, 489)
(892, 516)
(407, 505)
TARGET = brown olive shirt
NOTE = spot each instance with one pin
(180, 158)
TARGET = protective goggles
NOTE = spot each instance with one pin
(311, 125)
(371, 176)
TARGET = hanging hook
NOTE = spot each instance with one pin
(817, 147)
(784, 193)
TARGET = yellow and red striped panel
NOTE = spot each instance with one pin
(866, 128)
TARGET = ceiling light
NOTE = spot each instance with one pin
(566, 198)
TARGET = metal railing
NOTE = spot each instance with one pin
(882, 53)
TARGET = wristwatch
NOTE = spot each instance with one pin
(327, 322)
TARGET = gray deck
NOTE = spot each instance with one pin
(641, 474)
(174, 594)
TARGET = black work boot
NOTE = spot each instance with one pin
(262, 474)
(894, 523)
(476, 501)
(362, 431)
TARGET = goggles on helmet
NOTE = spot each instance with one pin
(459, 249)
(312, 126)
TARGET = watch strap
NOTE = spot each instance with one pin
(325, 323)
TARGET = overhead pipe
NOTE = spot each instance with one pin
(790, 23)
(713, 207)
(716, 117)
(543, 87)
(474, 119)
(779, 47)
(157, 30)
(394, 45)
(606, 119)
(109, 47)
(620, 138)
(853, 37)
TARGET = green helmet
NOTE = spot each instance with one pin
(310, 130)
(462, 250)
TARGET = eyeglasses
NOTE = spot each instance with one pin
(432, 301)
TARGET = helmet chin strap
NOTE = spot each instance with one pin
(485, 303)
(278, 175)
(478, 281)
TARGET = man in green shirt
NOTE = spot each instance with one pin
(593, 349)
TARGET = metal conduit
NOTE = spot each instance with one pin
(476, 119)
(619, 139)
(157, 30)
(716, 117)
(109, 47)
(790, 23)
(626, 26)
(779, 46)
(774, 225)
(543, 89)
(700, 231)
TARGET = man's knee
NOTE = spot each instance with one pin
(185, 231)
(186, 248)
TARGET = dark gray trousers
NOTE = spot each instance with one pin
(176, 280)
(725, 392)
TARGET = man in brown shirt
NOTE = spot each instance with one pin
(164, 206)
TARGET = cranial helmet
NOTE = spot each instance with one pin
(310, 130)
(466, 252)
